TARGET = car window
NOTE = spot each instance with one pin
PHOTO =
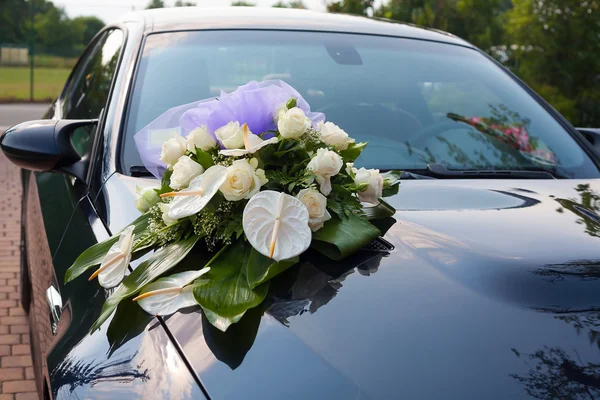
(87, 92)
(416, 102)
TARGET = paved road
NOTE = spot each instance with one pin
(16, 372)
(12, 114)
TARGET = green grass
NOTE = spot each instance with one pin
(46, 60)
(48, 82)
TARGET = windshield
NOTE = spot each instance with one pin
(415, 102)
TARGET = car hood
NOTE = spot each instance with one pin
(480, 289)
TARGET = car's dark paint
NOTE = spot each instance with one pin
(488, 280)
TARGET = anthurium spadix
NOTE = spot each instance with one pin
(276, 225)
(199, 192)
(252, 143)
(116, 260)
(167, 295)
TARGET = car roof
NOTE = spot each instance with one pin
(196, 18)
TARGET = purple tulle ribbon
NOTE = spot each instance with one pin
(253, 103)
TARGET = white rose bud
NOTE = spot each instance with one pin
(293, 123)
(316, 204)
(333, 135)
(374, 181)
(184, 171)
(172, 150)
(231, 135)
(145, 198)
(164, 208)
(324, 165)
(242, 181)
(200, 138)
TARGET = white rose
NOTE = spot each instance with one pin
(333, 135)
(242, 181)
(374, 181)
(231, 135)
(201, 139)
(164, 208)
(293, 123)
(145, 198)
(324, 165)
(316, 204)
(184, 171)
(172, 149)
(279, 111)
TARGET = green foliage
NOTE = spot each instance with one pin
(356, 7)
(204, 159)
(155, 4)
(341, 237)
(289, 181)
(242, 3)
(343, 203)
(180, 3)
(292, 4)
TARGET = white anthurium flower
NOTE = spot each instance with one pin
(252, 143)
(184, 170)
(316, 204)
(276, 225)
(243, 180)
(145, 197)
(231, 135)
(172, 150)
(293, 123)
(193, 199)
(333, 135)
(374, 181)
(168, 295)
(115, 262)
(200, 138)
(324, 165)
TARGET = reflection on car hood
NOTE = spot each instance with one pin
(492, 290)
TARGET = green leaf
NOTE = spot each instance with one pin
(380, 211)
(340, 238)
(291, 103)
(261, 269)
(164, 182)
(94, 254)
(231, 346)
(160, 262)
(204, 158)
(128, 322)
(225, 291)
(391, 183)
(390, 191)
(353, 151)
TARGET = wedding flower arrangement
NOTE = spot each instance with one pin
(252, 180)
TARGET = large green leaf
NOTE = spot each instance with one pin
(340, 238)
(261, 269)
(224, 291)
(380, 211)
(353, 151)
(94, 254)
(232, 345)
(391, 183)
(204, 158)
(160, 262)
(128, 322)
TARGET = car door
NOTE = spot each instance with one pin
(59, 218)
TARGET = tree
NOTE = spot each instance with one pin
(292, 4)
(155, 4)
(89, 27)
(242, 3)
(356, 7)
(180, 3)
(555, 48)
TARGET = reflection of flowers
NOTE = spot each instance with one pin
(516, 136)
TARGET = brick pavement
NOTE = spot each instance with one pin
(16, 372)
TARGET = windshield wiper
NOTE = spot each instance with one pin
(139, 171)
(440, 171)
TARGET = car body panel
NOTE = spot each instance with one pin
(454, 311)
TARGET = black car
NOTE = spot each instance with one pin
(486, 287)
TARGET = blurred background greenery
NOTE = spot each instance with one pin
(553, 45)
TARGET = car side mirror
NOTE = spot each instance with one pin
(592, 135)
(45, 145)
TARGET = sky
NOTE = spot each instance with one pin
(108, 10)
